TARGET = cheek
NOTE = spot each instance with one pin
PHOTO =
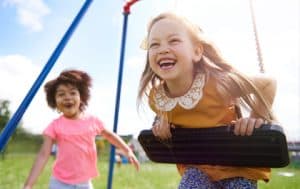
(57, 100)
(151, 59)
(79, 99)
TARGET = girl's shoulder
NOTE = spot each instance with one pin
(93, 118)
(55, 121)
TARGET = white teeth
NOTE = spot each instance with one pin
(167, 64)
(166, 61)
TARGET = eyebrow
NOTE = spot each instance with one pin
(169, 36)
(62, 90)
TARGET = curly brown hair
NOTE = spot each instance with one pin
(80, 79)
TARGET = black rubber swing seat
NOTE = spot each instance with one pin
(266, 147)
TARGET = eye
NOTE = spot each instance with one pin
(153, 45)
(174, 40)
(60, 94)
(73, 93)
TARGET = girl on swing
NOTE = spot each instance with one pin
(188, 83)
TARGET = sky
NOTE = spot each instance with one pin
(31, 30)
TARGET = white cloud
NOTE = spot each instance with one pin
(30, 12)
(14, 70)
(17, 75)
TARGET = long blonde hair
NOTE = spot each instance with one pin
(212, 64)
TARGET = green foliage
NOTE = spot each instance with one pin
(19, 135)
(4, 113)
(25, 143)
(4, 118)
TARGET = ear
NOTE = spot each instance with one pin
(198, 51)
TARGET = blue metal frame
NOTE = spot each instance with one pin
(117, 105)
(13, 123)
(126, 12)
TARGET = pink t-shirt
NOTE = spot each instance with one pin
(76, 160)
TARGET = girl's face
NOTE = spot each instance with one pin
(171, 52)
(67, 98)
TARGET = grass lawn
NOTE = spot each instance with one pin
(15, 168)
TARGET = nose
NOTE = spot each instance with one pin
(67, 96)
(164, 48)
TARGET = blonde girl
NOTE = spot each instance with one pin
(187, 82)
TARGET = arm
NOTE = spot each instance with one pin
(40, 162)
(267, 87)
(118, 142)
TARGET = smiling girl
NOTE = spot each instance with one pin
(188, 83)
(74, 132)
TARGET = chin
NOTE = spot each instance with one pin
(169, 76)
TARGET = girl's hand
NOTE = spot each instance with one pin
(161, 128)
(245, 126)
(133, 160)
(27, 187)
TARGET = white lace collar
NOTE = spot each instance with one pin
(187, 101)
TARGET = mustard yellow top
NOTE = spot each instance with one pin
(208, 111)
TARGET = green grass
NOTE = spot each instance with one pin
(15, 168)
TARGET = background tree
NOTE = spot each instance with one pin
(4, 118)
(20, 138)
(4, 113)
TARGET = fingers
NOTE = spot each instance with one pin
(155, 130)
(248, 129)
(155, 127)
(135, 163)
(259, 122)
(161, 129)
(246, 126)
(133, 160)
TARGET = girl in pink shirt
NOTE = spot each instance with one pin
(74, 133)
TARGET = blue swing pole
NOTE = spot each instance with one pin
(13, 123)
(126, 12)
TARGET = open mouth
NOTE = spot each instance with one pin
(68, 105)
(166, 63)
